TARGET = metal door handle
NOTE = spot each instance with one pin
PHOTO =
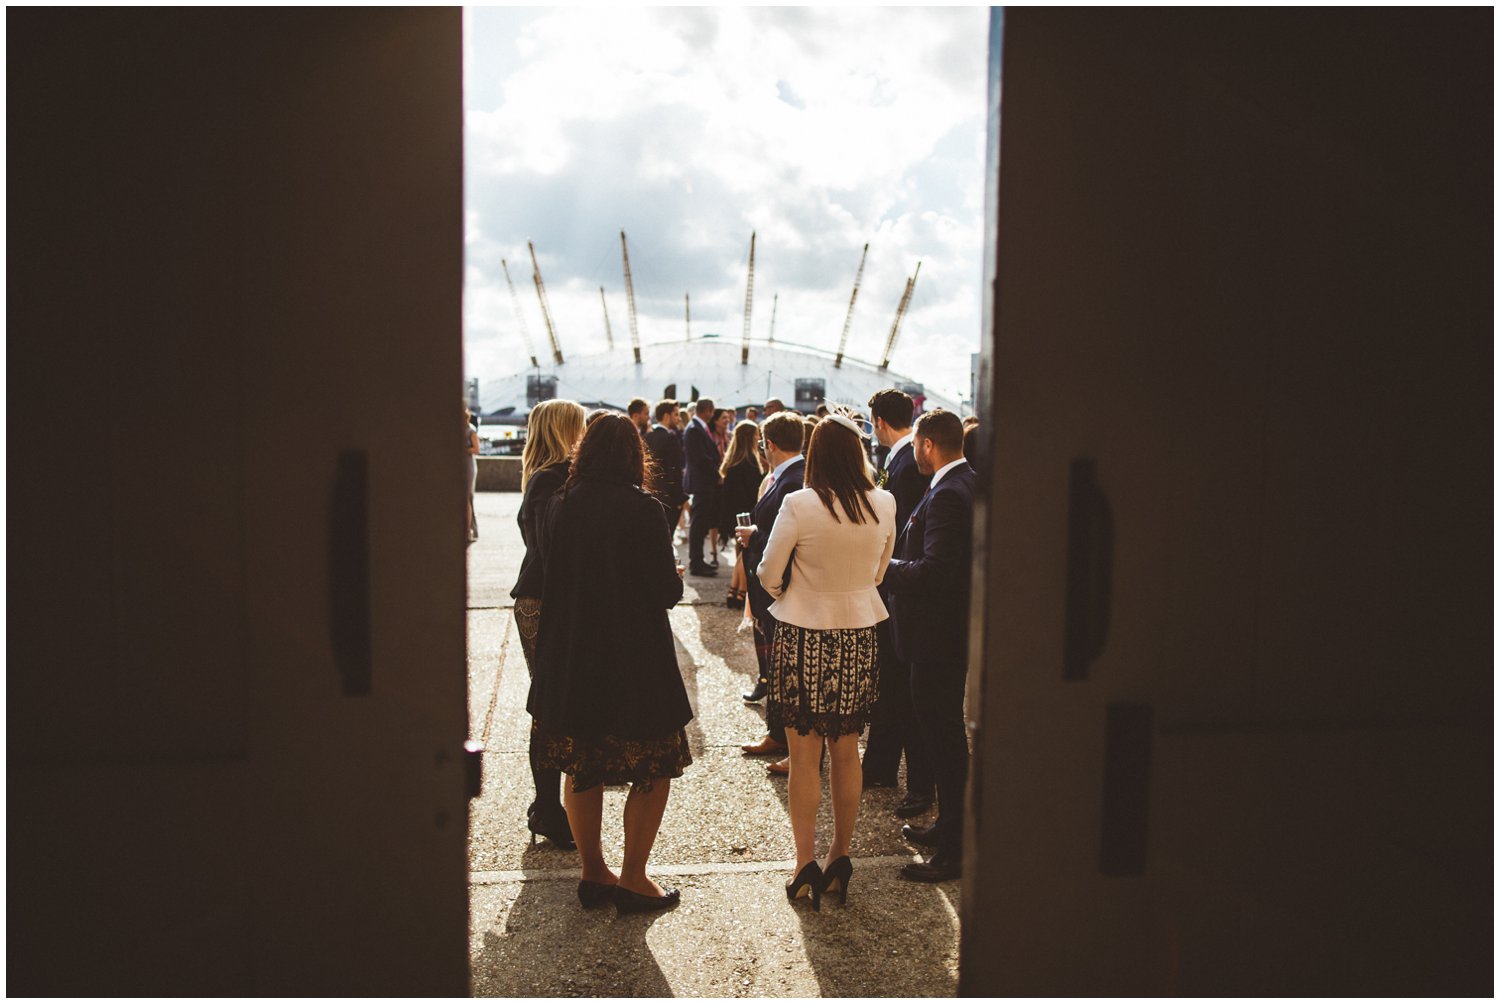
(1090, 566)
(349, 572)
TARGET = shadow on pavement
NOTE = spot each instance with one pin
(549, 946)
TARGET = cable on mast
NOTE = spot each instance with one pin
(890, 343)
(609, 335)
(838, 360)
(515, 299)
(635, 337)
(541, 294)
(749, 299)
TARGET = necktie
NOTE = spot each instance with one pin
(912, 518)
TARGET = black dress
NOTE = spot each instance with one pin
(737, 494)
(607, 696)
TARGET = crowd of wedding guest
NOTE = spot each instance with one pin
(850, 540)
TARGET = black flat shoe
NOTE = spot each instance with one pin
(913, 807)
(938, 869)
(592, 894)
(809, 882)
(703, 571)
(836, 878)
(757, 695)
(922, 836)
(633, 902)
(555, 830)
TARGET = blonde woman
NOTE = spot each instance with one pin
(742, 471)
(553, 429)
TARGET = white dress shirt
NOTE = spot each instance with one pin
(776, 471)
(944, 470)
(895, 448)
(836, 563)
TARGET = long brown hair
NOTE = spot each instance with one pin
(742, 445)
(610, 451)
(836, 469)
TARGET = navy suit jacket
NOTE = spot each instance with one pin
(666, 450)
(929, 576)
(702, 459)
(764, 517)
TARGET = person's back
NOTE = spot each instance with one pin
(836, 563)
(611, 577)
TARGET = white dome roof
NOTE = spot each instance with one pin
(712, 365)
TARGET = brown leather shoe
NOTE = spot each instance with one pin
(766, 747)
(781, 768)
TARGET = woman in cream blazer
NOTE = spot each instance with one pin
(825, 556)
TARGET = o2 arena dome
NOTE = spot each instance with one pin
(706, 366)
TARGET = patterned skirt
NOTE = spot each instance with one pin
(600, 760)
(822, 681)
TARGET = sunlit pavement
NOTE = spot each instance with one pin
(725, 842)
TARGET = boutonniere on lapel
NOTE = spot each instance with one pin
(881, 477)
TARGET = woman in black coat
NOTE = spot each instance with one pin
(553, 429)
(742, 470)
(607, 697)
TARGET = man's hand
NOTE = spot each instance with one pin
(742, 533)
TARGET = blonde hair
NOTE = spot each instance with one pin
(742, 445)
(553, 428)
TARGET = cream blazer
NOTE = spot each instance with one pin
(836, 564)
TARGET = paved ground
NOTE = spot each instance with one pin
(725, 841)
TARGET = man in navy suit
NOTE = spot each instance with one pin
(666, 450)
(703, 479)
(781, 436)
(893, 725)
(929, 584)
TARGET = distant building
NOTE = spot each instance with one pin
(804, 377)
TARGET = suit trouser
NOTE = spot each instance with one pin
(703, 517)
(893, 723)
(937, 697)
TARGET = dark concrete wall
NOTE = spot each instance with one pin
(499, 474)
(231, 231)
(1244, 269)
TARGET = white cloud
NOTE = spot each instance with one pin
(689, 127)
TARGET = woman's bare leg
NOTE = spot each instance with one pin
(585, 814)
(804, 789)
(845, 781)
(643, 812)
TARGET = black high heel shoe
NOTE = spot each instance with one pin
(555, 830)
(634, 902)
(836, 878)
(809, 882)
(592, 894)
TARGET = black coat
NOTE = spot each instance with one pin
(928, 578)
(540, 488)
(605, 661)
(764, 517)
(666, 450)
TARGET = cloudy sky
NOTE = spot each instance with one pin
(820, 129)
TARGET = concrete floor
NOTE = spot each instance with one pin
(725, 842)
